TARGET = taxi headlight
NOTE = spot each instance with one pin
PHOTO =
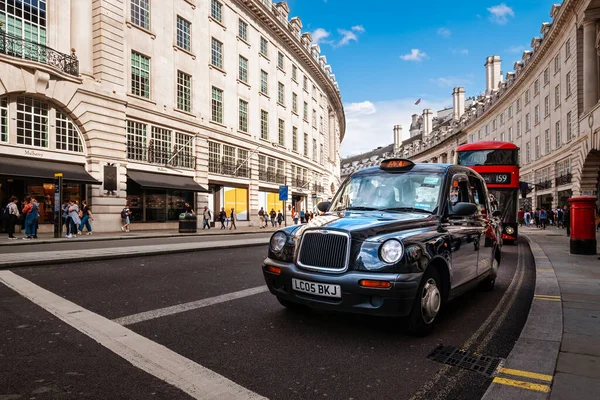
(391, 251)
(278, 241)
(510, 230)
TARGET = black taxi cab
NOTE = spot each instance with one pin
(396, 240)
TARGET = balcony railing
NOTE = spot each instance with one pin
(544, 185)
(563, 179)
(272, 177)
(229, 169)
(157, 156)
(299, 183)
(318, 189)
(15, 46)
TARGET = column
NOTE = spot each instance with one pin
(81, 35)
(590, 57)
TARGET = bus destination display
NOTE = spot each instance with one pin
(502, 179)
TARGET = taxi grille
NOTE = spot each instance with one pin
(324, 250)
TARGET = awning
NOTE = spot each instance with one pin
(18, 167)
(151, 180)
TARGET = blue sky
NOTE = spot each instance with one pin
(386, 55)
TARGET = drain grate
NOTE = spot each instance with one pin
(465, 359)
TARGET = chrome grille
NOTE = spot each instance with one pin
(324, 250)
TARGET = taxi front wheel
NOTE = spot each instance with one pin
(427, 304)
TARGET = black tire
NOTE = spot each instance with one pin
(291, 305)
(487, 285)
(420, 324)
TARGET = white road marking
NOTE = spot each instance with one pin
(151, 357)
(163, 312)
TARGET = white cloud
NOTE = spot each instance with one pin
(319, 35)
(414, 55)
(500, 13)
(370, 124)
(444, 32)
(358, 28)
(450, 81)
(516, 49)
(347, 36)
(460, 51)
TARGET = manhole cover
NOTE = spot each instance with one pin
(465, 359)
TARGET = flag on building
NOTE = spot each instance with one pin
(417, 102)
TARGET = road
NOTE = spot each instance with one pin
(178, 301)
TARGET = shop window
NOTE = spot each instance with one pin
(67, 137)
(32, 122)
(236, 198)
(156, 205)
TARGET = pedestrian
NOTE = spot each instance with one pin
(279, 218)
(86, 217)
(536, 217)
(27, 207)
(222, 217)
(261, 216)
(567, 219)
(126, 218)
(521, 216)
(232, 218)
(206, 217)
(527, 217)
(550, 216)
(559, 218)
(75, 220)
(543, 218)
(12, 217)
(311, 215)
(296, 217)
(302, 216)
(273, 216)
(189, 209)
(31, 220)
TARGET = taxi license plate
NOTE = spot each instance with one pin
(318, 289)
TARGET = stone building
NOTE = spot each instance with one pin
(155, 103)
(548, 106)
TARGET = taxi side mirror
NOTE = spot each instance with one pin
(323, 206)
(497, 213)
(464, 209)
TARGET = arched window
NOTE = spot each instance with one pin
(38, 124)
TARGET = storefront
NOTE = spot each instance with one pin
(563, 195)
(270, 201)
(544, 201)
(236, 198)
(154, 197)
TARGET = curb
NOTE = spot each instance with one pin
(111, 256)
(528, 371)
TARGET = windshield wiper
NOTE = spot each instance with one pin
(407, 209)
(360, 208)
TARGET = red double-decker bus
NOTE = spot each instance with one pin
(498, 164)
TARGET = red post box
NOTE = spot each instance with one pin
(583, 224)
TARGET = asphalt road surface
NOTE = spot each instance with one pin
(211, 308)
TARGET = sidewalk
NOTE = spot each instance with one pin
(558, 353)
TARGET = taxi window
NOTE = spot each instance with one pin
(460, 191)
(479, 196)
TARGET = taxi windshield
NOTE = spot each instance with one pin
(407, 191)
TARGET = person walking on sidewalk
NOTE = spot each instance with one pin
(521, 216)
(86, 214)
(75, 220)
(206, 217)
(261, 216)
(31, 221)
(296, 217)
(126, 218)
(222, 217)
(559, 218)
(273, 216)
(567, 219)
(527, 218)
(12, 217)
(543, 216)
(279, 218)
(536, 217)
(26, 218)
(232, 218)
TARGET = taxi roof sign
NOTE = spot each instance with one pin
(396, 164)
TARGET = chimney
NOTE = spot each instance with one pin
(414, 128)
(427, 122)
(488, 75)
(458, 102)
(397, 137)
(493, 73)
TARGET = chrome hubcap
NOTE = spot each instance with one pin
(430, 301)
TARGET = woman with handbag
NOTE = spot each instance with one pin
(86, 215)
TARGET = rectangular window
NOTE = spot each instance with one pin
(314, 150)
(243, 69)
(557, 96)
(314, 118)
(314, 92)
(4, 119)
(264, 125)
(294, 138)
(216, 53)
(280, 61)
(136, 141)
(305, 84)
(159, 151)
(558, 137)
(264, 47)
(502, 119)
(527, 96)
(510, 134)
(140, 75)
(321, 160)
(528, 152)
(546, 76)
(216, 10)
(295, 103)
(243, 111)
(518, 105)
(472, 137)
(214, 157)
(281, 132)
(536, 87)
(537, 147)
(184, 34)
(264, 82)
(494, 124)
(217, 105)
(502, 136)
(243, 30)
(184, 91)
(527, 122)
(305, 114)
(547, 143)
(569, 130)
(487, 129)
(557, 63)
(568, 49)
(306, 145)
(321, 124)
(547, 106)
(479, 134)
(518, 128)
(568, 83)
(294, 72)
(510, 112)
(536, 115)
(140, 13)
(280, 93)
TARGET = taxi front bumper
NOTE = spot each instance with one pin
(395, 301)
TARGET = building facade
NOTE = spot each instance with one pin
(548, 106)
(153, 104)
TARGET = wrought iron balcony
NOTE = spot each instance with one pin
(270, 176)
(153, 155)
(563, 179)
(299, 183)
(230, 169)
(544, 185)
(318, 189)
(15, 46)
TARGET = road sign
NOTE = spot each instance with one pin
(283, 193)
(314, 195)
